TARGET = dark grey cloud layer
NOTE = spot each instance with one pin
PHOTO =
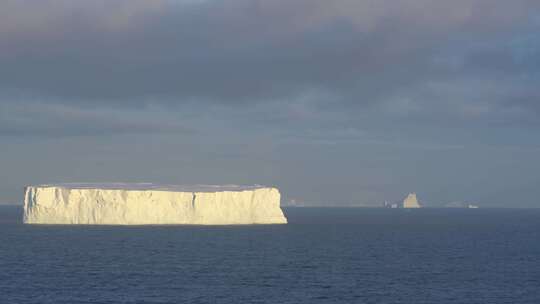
(308, 80)
(22, 118)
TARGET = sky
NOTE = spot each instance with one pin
(337, 103)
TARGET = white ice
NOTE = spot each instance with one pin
(143, 203)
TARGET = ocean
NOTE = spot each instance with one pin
(324, 255)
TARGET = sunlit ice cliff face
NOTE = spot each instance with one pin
(411, 201)
(150, 204)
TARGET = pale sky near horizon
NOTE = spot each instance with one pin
(343, 102)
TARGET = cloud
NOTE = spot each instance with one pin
(345, 101)
(59, 120)
(342, 63)
(48, 17)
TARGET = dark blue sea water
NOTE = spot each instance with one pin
(325, 255)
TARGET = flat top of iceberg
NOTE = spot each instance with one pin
(155, 187)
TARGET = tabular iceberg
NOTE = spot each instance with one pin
(141, 204)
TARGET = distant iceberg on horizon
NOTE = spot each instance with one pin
(151, 204)
(459, 204)
(455, 204)
(411, 201)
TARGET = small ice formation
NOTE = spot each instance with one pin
(151, 204)
(411, 201)
(459, 204)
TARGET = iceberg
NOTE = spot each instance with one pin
(411, 201)
(151, 204)
(459, 204)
